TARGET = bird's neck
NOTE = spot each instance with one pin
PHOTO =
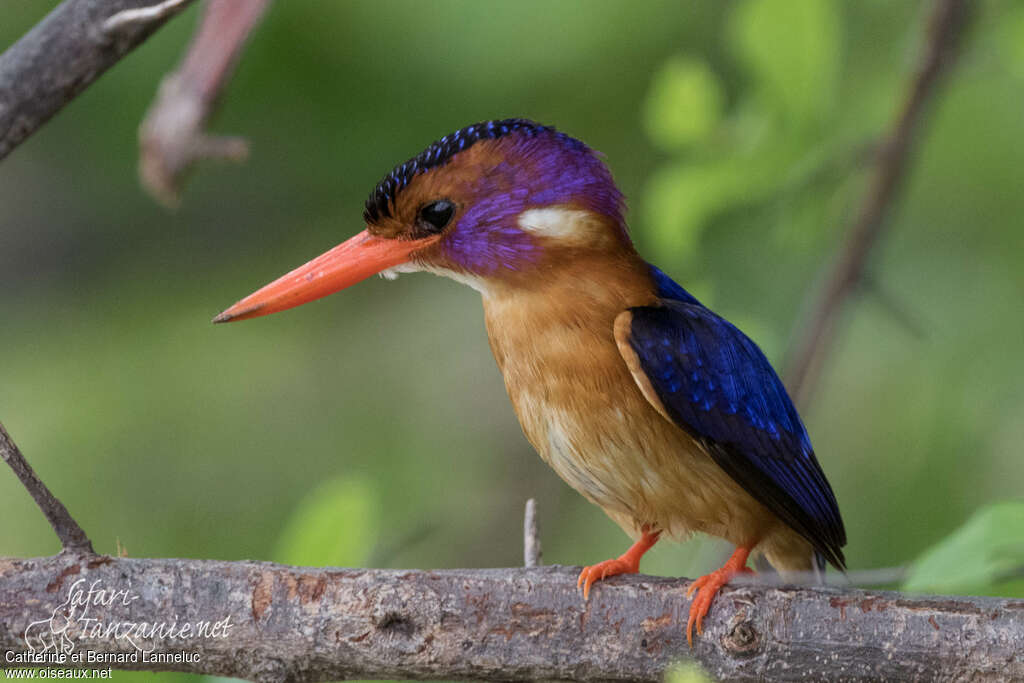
(566, 308)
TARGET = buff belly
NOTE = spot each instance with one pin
(585, 416)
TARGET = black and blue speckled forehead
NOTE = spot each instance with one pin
(380, 201)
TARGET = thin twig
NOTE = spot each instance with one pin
(893, 306)
(531, 536)
(946, 25)
(172, 137)
(71, 536)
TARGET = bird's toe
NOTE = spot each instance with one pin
(603, 570)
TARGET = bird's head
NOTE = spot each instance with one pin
(498, 203)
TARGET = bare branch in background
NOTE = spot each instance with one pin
(62, 55)
(946, 25)
(172, 136)
(72, 537)
(294, 624)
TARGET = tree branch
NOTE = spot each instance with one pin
(172, 136)
(72, 537)
(269, 622)
(62, 55)
(946, 25)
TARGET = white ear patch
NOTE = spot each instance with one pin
(556, 221)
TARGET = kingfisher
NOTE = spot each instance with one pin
(641, 398)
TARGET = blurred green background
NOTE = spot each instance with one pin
(372, 428)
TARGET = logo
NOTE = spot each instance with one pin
(80, 629)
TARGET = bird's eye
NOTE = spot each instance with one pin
(435, 216)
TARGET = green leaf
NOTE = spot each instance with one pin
(334, 525)
(687, 672)
(684, 103)
(680, 198)
(981, 552)
(793, 50)
(1008, 36)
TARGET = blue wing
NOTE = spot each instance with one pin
(715, 383)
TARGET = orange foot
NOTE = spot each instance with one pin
(707, 587)
(626, 563)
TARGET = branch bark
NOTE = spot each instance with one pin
(946, 26)
(62, 55)
(267, 622)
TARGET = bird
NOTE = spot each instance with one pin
(642, 399)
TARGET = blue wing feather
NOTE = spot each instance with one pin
(717, 384)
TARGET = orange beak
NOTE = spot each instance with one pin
(350, 262)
